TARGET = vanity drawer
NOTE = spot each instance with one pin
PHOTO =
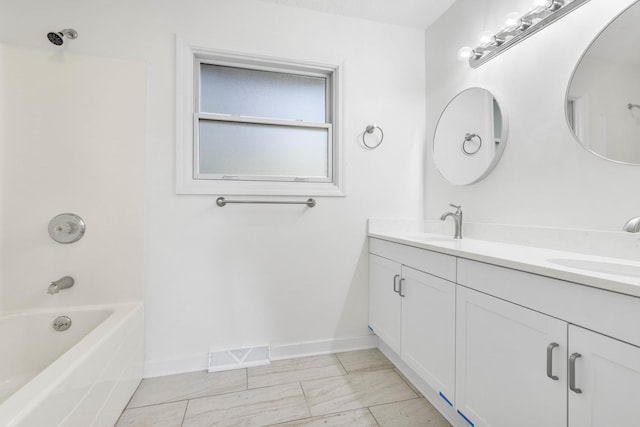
(434, 263)
(610, 313)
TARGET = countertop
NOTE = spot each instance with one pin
(610, 274)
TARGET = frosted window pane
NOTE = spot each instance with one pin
(253, 93)
(230, 148)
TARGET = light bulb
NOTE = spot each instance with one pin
(550, 5)
(512, 20)
(486, 38)
(541, 4)
(465, 53)
(555, 4)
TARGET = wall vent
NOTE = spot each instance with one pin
(225, 360)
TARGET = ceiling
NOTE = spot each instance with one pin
(408, 13)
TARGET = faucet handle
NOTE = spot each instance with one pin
(459, 208)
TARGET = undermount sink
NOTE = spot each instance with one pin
(599, 266)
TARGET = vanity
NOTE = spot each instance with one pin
(501, 335)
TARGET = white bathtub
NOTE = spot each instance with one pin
(80, 377)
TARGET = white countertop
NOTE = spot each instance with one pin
(611, 274)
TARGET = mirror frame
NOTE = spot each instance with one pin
(503, 142)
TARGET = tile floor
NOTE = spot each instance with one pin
(359, 388)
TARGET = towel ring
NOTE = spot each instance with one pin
(467, 138)
(369, 130)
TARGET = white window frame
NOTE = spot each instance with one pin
(188, 181)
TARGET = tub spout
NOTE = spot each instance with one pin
(60, 284)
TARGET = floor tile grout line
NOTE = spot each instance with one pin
(340, 362)
(381, 368)
(345, 372)
(374, 417)
(184, 416)
(367, 407)
(306, 400)
(160, 403)
(407, 382)
(399, 401)
(295, 381)
(220, 394)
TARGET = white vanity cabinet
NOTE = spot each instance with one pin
(428, 330)
(385, 305)
(504, 347)
(510, 364)
(413, 312)
(506, 321)
(607, 376)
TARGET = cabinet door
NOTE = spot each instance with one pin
(502, 364)
(607, 373)
(384, 301)
(428, 329)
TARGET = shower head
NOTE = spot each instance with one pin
(57, 38)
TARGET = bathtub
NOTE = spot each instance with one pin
(80, 377)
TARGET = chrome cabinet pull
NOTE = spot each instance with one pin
(396, 289)
(400, 291)
(550, 348)
(572, 372)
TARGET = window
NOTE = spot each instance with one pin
(258, 126)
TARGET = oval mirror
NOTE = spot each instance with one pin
(470, 137)
(603, 97)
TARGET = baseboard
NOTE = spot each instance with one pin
(316, 348)
(200, 361)
(177, 365)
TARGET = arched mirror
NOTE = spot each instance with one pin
(603, 98)
(470, 137)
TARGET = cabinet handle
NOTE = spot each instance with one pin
(572, 372)
(550, 348)
(400, 292)
(396, 289)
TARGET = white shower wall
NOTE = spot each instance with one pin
(250, 275)
(72, 140)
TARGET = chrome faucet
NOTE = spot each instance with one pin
(457, 219)
(633, 225)
(60, 284)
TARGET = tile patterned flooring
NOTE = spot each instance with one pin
(359, 388)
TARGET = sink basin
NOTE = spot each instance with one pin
(599, 266)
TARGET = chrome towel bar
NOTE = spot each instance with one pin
(221, 201)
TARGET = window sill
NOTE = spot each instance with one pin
(254, 188)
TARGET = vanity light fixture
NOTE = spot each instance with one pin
(517, 28)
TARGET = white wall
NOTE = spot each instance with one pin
(72, 140)
(245, 275)
(545, 178)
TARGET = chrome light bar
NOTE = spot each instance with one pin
(517, 28)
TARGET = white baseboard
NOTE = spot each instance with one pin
(177, 365)
(200, 361)
(315, 348)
